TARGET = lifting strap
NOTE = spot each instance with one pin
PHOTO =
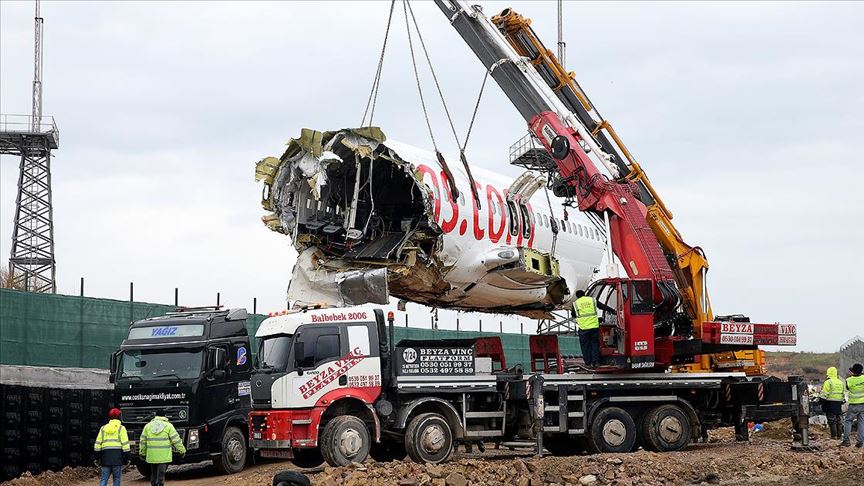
(376, 81)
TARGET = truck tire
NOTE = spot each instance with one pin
(291, 478)
(428, 439)
(388, 451)
(232, 459)
(345, 440)
(143, 469)
(307, 458)
(612, 430)
(666, 428)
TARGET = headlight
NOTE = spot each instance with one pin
(192, 441)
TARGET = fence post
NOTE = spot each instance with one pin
(406, 319)
(81, 327)
(176, 297)
(500, 327)
(481, 325)
(131, 301)
(254, 305)
(521, 328)
(457, 323)
(218, 298)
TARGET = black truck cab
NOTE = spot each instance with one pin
(194, 365)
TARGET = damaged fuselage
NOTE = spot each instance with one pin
(371, 217)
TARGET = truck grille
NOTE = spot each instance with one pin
(140, 415)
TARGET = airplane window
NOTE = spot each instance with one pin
(545, 221)
(494, 208)
(580, 231)
(591, 232)
(563, 225)
(538, 218)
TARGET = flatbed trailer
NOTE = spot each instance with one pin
(372, 396)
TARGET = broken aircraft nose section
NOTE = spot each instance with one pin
(359, 206)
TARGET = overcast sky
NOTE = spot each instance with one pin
(746, 116)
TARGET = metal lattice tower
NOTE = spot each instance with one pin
(32, 138)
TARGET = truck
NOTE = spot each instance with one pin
(193, 366)
(331, 384)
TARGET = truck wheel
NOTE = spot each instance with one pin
(666, 428)
(307, 458)
(387, 451)
(428, 439)
(233, 456)
(345, 440)
(143, 469)
(290, 478)
(612, 430)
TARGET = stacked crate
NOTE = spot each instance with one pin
(49, 428)
(12, 438)
(34, 421)
(76, 448)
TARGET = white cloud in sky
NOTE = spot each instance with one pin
(746, 115)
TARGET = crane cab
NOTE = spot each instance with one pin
(626, 310)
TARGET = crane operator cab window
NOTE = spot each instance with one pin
(607, 299)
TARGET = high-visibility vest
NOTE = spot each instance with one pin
(112, 436)
(158, 438)
(832, 390)
(855, 385)
(586, 313)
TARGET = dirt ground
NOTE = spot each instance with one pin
(767, 460)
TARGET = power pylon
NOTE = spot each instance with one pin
(32, 137)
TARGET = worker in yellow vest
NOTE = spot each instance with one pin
(158, 439)
(855, 387)
(588, 321)
(832, 398)
(112, 448)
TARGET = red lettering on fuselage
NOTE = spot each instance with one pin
(493, 232)
(449, 225)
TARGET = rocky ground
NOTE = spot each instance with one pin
(766, 460)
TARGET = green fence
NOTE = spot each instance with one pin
(66, 331)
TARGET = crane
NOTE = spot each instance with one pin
(663, 312)
(689, 263)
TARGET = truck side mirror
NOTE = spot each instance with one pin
(112, 376)
(299, 353)
(219, 359)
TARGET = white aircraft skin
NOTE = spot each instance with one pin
(470, 247)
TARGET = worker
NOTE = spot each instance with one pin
(589, 327)
(158, 439)
(112, 448)
(831, 397)
(855, 387)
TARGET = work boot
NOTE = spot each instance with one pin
(845, 443)
(858, 446)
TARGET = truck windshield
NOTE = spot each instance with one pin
(150, 365)
(273, 352)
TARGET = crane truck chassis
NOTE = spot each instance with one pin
(334, 382)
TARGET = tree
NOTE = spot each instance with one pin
(7, 279)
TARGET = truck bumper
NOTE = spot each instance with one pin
(283, 429)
